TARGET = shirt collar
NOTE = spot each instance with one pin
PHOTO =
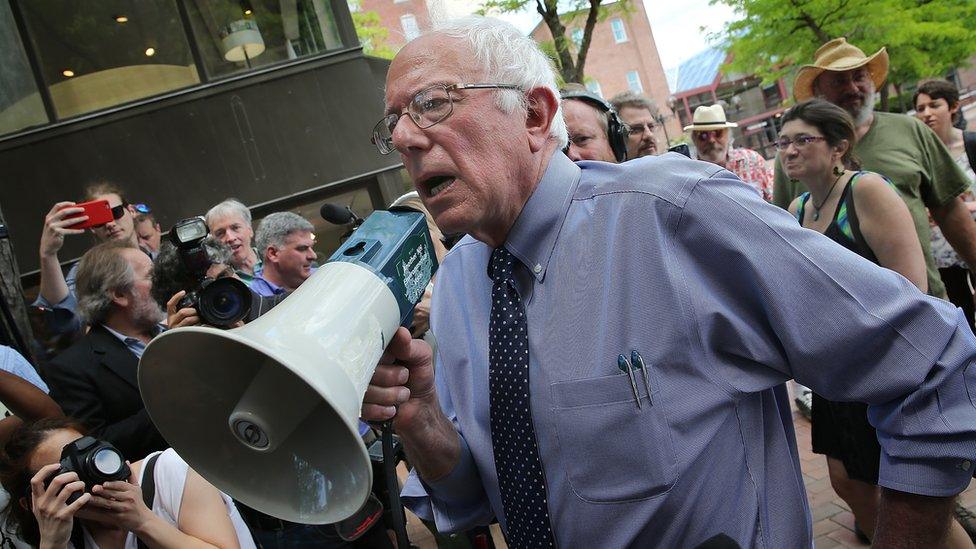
(126, 339)
(533, 236)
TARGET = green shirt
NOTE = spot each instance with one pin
(911, 155)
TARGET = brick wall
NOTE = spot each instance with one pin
(391, 13)
(608, 62)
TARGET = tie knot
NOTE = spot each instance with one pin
(500, 266)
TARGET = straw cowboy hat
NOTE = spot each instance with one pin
(710, 118)
(837, 55)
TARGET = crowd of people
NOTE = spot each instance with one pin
(601, 281)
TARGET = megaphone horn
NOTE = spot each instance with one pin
(268, 412)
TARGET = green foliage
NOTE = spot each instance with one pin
(372, 34)
(561, 17)
(925, 38)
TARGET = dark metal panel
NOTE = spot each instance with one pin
(258, 142)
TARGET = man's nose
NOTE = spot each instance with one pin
(574, 153)
(407, 135)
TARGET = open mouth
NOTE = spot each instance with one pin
(437, 184)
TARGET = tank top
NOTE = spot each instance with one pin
(844, 229)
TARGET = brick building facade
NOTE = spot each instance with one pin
(622, 56)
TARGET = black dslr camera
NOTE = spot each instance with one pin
(95, 461)
(220, 302)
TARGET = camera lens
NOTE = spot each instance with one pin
(107, 461)
(223, 302)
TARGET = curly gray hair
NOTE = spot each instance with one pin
(276, 227)
(102, 271)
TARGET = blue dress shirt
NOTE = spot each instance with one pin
(15, 363)
(726, 298)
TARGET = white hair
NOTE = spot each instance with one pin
(228, 207)
(507, 56)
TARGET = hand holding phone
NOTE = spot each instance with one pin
(98, 212)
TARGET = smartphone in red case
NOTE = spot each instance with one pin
(98, 212)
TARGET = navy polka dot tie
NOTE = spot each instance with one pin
(520, 477)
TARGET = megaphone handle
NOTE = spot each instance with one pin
(393, 486)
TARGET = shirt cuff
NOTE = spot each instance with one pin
(455, 502)
(61, 317)
(936, 478)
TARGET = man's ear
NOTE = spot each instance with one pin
(542, 107)
(119, 298)
(25, 503)
(271, 254)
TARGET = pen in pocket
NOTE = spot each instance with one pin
(627, 367)
(638, 362)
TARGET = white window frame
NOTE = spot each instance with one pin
(573, 37)
(633, 77)
(619, 31)
(594, 86)
(414, 28)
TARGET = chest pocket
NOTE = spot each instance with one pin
(613, 451)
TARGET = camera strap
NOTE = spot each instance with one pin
(148, 486)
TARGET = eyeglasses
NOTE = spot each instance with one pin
(142, 208)
(427, 108)
(801, 141)
(705, 135)
(638, 129)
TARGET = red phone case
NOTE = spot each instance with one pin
(98, 212)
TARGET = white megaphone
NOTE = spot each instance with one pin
(269, 412)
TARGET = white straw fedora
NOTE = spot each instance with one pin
(710, 118)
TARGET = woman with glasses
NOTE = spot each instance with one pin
(937, 105)
(862, 212)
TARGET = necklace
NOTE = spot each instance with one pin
(816, 208)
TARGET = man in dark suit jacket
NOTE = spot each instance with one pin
(94, 380)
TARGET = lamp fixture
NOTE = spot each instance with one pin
(248, 11)
(120, 19)
(150, 52)
(68, 73)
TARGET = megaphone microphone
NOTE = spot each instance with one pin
(339, 215)
(268, 412)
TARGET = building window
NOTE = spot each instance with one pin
(617, 26)
(410, 28)
(95, 55)
(20, 102)
(235, 36)
(594, 87)
(634, 82)
(578, 37)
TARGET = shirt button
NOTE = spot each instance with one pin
(965, 465)
(537, 268)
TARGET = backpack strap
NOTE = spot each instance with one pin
(969, 141)
(148, 486)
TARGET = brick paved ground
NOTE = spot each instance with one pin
(833, 523)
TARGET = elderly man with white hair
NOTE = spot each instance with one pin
(284, 242)
(613, 343)
(230, 223)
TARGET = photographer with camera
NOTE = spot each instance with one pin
(61, 475)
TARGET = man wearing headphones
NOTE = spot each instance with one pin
(595, 130)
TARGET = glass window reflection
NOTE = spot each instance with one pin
(235, 35)
(95, 55)
(20, 103)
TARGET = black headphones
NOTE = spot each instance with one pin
(617, 131)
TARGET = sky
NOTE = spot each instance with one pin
(676, 24)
